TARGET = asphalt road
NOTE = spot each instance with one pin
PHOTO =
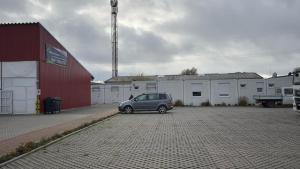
(216, 137)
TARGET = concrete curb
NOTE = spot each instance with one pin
(102, 119)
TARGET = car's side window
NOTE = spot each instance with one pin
(162, 96)
(153, 96)
(141, 97)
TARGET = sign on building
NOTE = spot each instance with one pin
(56, 56)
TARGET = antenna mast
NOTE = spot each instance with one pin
(114, 37)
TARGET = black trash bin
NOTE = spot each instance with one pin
(57, 101)
(49, 105)
(52, 104)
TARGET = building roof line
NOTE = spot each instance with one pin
(18, 23)
(44, 29)
(41, 26)
(213, 76)
(279, 76)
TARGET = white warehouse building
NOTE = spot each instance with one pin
(192, 90)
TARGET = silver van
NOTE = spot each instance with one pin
(161, 102)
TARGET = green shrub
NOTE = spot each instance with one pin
(243, 101)
(26, 148)
(7, 157)
(178, 103)
(206, 104)
(20, 150)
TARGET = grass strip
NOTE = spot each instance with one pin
(29, 146)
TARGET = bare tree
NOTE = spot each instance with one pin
(141, 77)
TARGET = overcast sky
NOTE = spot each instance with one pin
(158, 37)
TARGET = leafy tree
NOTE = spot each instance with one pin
(192, 71)
(140, 74)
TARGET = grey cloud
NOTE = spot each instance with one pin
(13, 5)
(265, 23)
(143, 47)
(83, 38)
(266, 33)
(97, 72)
(271, 26)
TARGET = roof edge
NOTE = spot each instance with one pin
(20, 23)
(43, 28)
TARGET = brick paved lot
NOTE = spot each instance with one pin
(183, 138)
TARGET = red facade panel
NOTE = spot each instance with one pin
(70, 82)
(27, 42)
(19, 42)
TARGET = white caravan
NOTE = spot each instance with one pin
(296, 86)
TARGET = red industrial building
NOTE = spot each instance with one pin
(34, 66)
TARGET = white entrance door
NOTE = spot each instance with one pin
(115, 92)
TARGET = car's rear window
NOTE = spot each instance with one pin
(162, 96)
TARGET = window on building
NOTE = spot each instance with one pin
(96, 89)
(271, 84)
(224, 83)
(196, 89)
(259, 89)
(151, 86)
(224, 95)
(278, 91)
(135, 86)
(114, 89)
(153, 97)
(297, 92)
(224, 89)
(196, 84)
(197, 93)
(243, 85)
(288, 91)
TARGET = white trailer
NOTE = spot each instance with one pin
(285, 97)
(296, 86)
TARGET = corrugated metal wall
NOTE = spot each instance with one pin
(71, 82)
(26, 42)
(19, 42)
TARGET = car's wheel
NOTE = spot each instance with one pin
(162, 109)
(128, 109)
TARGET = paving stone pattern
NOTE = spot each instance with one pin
(182, 138)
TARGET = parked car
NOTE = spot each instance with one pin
(161, 102)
